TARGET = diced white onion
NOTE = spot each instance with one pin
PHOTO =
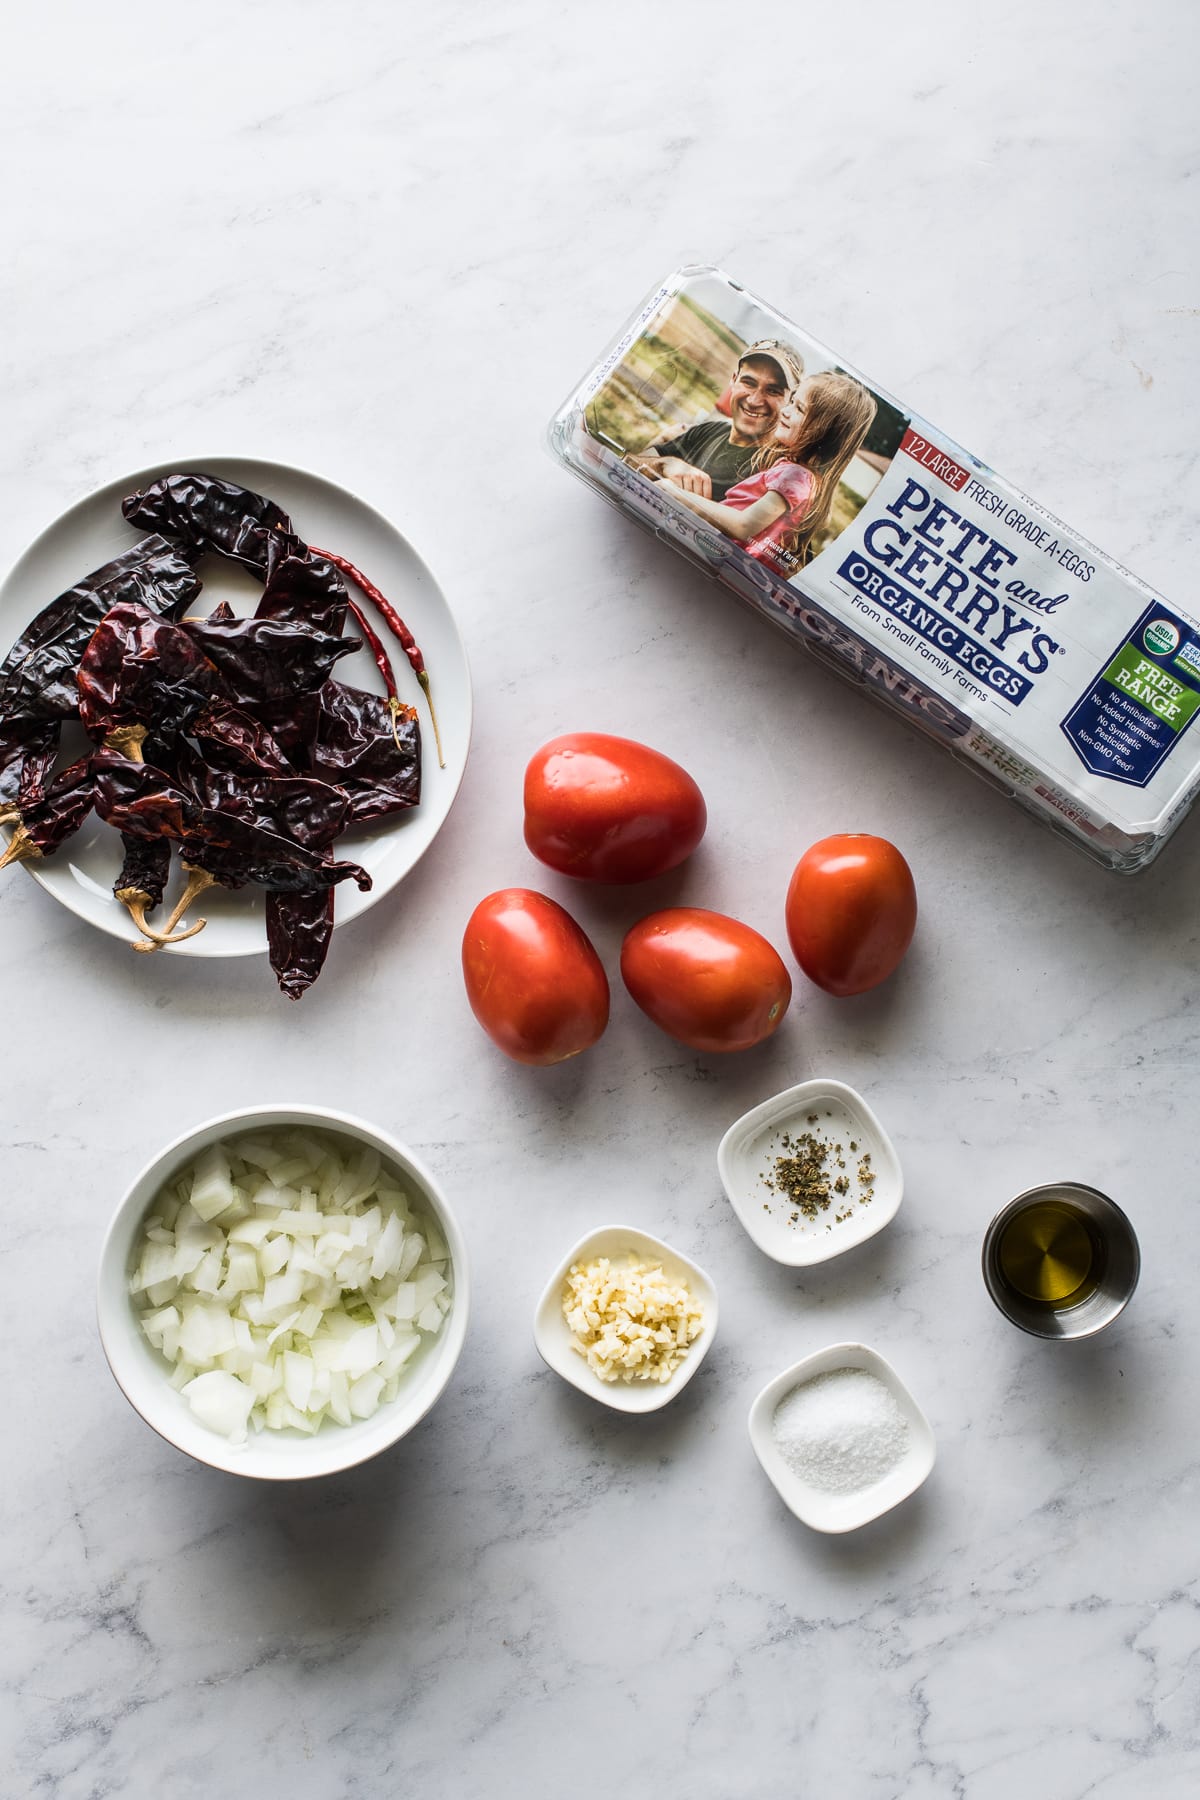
(212, 1188)
(288, 1280)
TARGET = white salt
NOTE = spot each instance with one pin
(841, 1431)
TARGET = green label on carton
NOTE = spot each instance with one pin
(1147, 682)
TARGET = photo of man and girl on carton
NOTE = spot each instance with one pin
(747, 434)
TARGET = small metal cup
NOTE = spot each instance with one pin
(1117, 1276)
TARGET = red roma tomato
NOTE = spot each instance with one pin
(608, 809)
(709, 981)
(533, 979)
(851, 912)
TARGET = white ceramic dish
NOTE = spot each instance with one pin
(750, 1146)
(144, 1376)
(91, 533)
(842, 1512)
(554, 1338)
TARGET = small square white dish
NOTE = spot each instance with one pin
(838, 1115)
(814, 1506)
(554, 1338)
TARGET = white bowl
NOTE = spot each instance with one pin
(750, 1146)
(814, 1506)
(143, 1375)
(554, 1338)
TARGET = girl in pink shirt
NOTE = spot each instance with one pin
(778, 509)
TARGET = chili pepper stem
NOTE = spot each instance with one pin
(127, 740)
(136, 901)
(21, 848)
(423, 678)
(198, 880)
(10, 815)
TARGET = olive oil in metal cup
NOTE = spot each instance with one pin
(1061, 1261)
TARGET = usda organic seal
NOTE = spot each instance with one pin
(1160, 637)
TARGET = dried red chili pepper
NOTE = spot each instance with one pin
(145, 871)
(383, 663)
(231, 739)
(139, 669)
(37, 677)
(306, 811)
(207, 513)
(33, 771)
(300, 925)
(298, 807)
(140, 672)
(374, 755)
(305, 590)
(302, 582)
(267, 659)
(216, 846)
(299, 930)
(292, 725)
(397, 627)
(145, 804)
(28, 750)
(234, 851)
(139, 798)
(142, 881)
(47, 824)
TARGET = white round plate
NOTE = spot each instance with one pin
(91, 533)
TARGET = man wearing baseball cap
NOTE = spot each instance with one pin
(710, 458)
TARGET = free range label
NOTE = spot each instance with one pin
(1141, 703)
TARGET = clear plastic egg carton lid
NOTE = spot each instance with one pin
(897, 558)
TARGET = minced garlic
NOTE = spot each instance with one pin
(631, 1322)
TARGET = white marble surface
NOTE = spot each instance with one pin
(382, 242)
